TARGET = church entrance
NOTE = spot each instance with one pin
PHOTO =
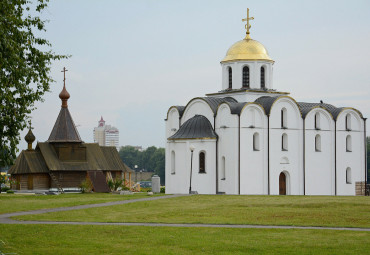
(282, 184)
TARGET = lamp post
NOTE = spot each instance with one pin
(192, 148)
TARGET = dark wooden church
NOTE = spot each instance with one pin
(64, 161)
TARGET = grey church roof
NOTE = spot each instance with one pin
(307, 107)
(214, 102)
(236, 108)
(266, 102)
(197, 127)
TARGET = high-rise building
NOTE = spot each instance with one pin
(106, 135)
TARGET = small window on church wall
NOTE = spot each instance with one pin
(317, 143)
(223, 169)
(348, 175)
(262, 77)
(284, 121)
(348, 143)
(284, 142)
(246, 77)
(173, 163)
(317, 120)
(202, 162)
(348, 121)
(256, 142)
(230, 78)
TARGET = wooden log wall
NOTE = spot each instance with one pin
(69, 179)
(360, 188)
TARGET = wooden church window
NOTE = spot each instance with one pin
(202, 162)
(246, 77)
(230, 78)
(262, 77)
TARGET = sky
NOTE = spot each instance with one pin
(132, 60)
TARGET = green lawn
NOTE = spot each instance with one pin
(15, 202)
(64, 239)
(262, 210)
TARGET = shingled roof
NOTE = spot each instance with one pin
(197, 127)
(97, 158)
(307, 107)
(29, 161)
(64, 128)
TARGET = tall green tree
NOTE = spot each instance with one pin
(25, 61)
(152, 159)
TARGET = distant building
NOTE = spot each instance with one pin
(106, 135)
(139, 148)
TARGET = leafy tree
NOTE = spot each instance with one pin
(24, 69)
(159, 159)
(152, 159)
(130, 156)
(2, 180)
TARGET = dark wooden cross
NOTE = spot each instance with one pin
(64, 71)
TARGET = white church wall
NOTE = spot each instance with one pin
(319, 158)
(172, 122)
(178, 180)
(290, 160)
(353, 159)
(204, 183)
(253, 161)
(227, 126)
(198, 107)
(254, 74)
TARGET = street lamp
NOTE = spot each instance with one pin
(192, 148)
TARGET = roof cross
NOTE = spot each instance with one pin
(64, 71)
(247, 26)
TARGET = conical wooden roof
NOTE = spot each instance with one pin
(64, 128)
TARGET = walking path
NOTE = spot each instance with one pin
(5, 218)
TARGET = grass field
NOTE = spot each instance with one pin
(18, 202)
(263, 210)
(62, 239)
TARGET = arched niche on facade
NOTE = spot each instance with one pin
(326, 121)
(356, 119)
(198, 106)
(293, 113)
(284, 160)
(252, 115)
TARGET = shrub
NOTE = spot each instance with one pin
(10, 191)
(86, 186)
(163, 189)
(145, 189)
(115, 184)
(5, 189)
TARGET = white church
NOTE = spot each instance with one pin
(249, 138)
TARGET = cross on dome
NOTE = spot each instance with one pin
(64, 95)
(247, 26)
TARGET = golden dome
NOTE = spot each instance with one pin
(247, 49)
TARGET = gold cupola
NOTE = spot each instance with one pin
(247, 49)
